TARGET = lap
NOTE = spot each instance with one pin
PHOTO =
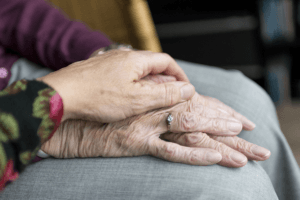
(246, 97)
(147, 177)
(141, 177)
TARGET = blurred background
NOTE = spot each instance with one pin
(258, 37)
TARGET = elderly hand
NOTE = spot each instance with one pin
(141, 135)
(135, 136)
(212, 109)
(106, 88)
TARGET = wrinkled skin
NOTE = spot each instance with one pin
(199, 135)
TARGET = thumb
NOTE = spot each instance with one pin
(171, 93)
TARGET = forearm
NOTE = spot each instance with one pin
(30, 112)
(36, 30)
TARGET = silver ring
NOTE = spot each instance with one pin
(169, 121)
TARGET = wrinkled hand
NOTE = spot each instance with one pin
(135, 136)
(143, 134)
(211, 110)
(218, 117)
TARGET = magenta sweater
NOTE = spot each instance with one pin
(39, 32)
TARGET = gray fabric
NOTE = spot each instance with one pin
(146, 177)
(142, 177)
(24, 69)
(249, 99)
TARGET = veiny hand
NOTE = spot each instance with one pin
(135, 136)
(230, 147)
(139, 135)
(106, 88)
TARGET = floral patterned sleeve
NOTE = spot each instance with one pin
(30, 112)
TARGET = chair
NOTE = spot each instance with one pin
(126, 21)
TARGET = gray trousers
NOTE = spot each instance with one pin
(146, 177)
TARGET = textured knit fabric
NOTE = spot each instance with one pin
(146, 177)
(41, 33)
(30, 112)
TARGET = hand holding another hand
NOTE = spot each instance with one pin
(200, 135)
(106, 88)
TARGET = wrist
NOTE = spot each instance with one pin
(65, 113)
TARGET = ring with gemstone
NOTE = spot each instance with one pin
(169, 121)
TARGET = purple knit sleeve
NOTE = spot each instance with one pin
(41, 33)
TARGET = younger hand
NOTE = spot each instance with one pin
(106, 88)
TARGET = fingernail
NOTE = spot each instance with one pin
(187, 91)
(213, 157)
(249, 124)
(238, 158)
(235, 127)
(260, 151)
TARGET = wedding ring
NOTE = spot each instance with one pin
(169, 121)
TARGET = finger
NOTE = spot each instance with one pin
(230, 157)
(252, 151)
(181, 154)
(191, 122)
(215, 103)
(158, 78)
(209, 112)
(161, 63)
(166, 94)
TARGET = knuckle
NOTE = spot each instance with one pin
(220, 115)
(243, 146)
(169, 152)
(199, 139)
(222, 148)
(216, 125)
(199, 109)
(204, 139)
(188, 121)
(191, 139)
(195, 157)
(171, 94)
